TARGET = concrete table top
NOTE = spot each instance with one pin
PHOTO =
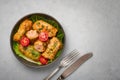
(89, 25)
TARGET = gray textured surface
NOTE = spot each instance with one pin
(90, 25)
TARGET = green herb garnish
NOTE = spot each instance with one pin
(38, 23)
(41, 27)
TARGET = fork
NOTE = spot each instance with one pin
(68, 59)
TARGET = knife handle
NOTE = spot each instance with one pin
(53, 73)
(60, 78)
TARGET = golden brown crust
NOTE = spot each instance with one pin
(41, 25)
(24, 26)
(52, 48)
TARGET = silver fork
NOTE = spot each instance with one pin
(68, 59)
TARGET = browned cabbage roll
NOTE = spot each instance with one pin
(24, 26)
(41, 25)
(30, 52)
(52, 48)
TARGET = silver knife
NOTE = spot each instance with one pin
(75, 66)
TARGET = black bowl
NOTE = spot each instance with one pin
(15, 28)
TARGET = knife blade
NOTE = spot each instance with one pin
(75, 66)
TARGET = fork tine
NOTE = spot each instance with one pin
(75, 53)
(70, 54)
(71, 58)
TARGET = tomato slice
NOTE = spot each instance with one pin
(24, 41)
(43, 36)
(43, 60)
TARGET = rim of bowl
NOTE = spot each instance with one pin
(28, 63)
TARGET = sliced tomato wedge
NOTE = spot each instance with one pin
(24, 41)
(43, 36)
(43, 60)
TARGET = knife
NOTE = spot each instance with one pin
(75, 66)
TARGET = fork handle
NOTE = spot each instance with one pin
(53, 73)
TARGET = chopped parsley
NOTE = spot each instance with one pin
(41, 27)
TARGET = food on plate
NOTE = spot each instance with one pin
(24, 26)
(24, 41)
(40, 46)
(41, 25)
(43, 36)
(43, 60)
(30, 52)
(32, 34)
(38, 40)
(52, 48)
